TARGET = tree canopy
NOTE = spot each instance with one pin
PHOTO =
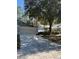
(49, 10)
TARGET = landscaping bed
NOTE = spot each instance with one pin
(54, 37)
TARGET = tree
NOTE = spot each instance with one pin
(18, 35)
(19, 12)
(50, 10)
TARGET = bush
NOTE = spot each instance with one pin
(47, 33)
(42, 33)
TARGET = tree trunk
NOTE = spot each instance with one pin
(18, 41)
(36, 25)
(50, 28)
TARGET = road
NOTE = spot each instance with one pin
(36, 47)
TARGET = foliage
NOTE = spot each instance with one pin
(46, 9)
(19, 12)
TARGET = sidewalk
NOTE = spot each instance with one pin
(36, 47)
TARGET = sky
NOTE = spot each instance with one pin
(20, 3)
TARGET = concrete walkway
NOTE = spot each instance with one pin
(36, 47)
